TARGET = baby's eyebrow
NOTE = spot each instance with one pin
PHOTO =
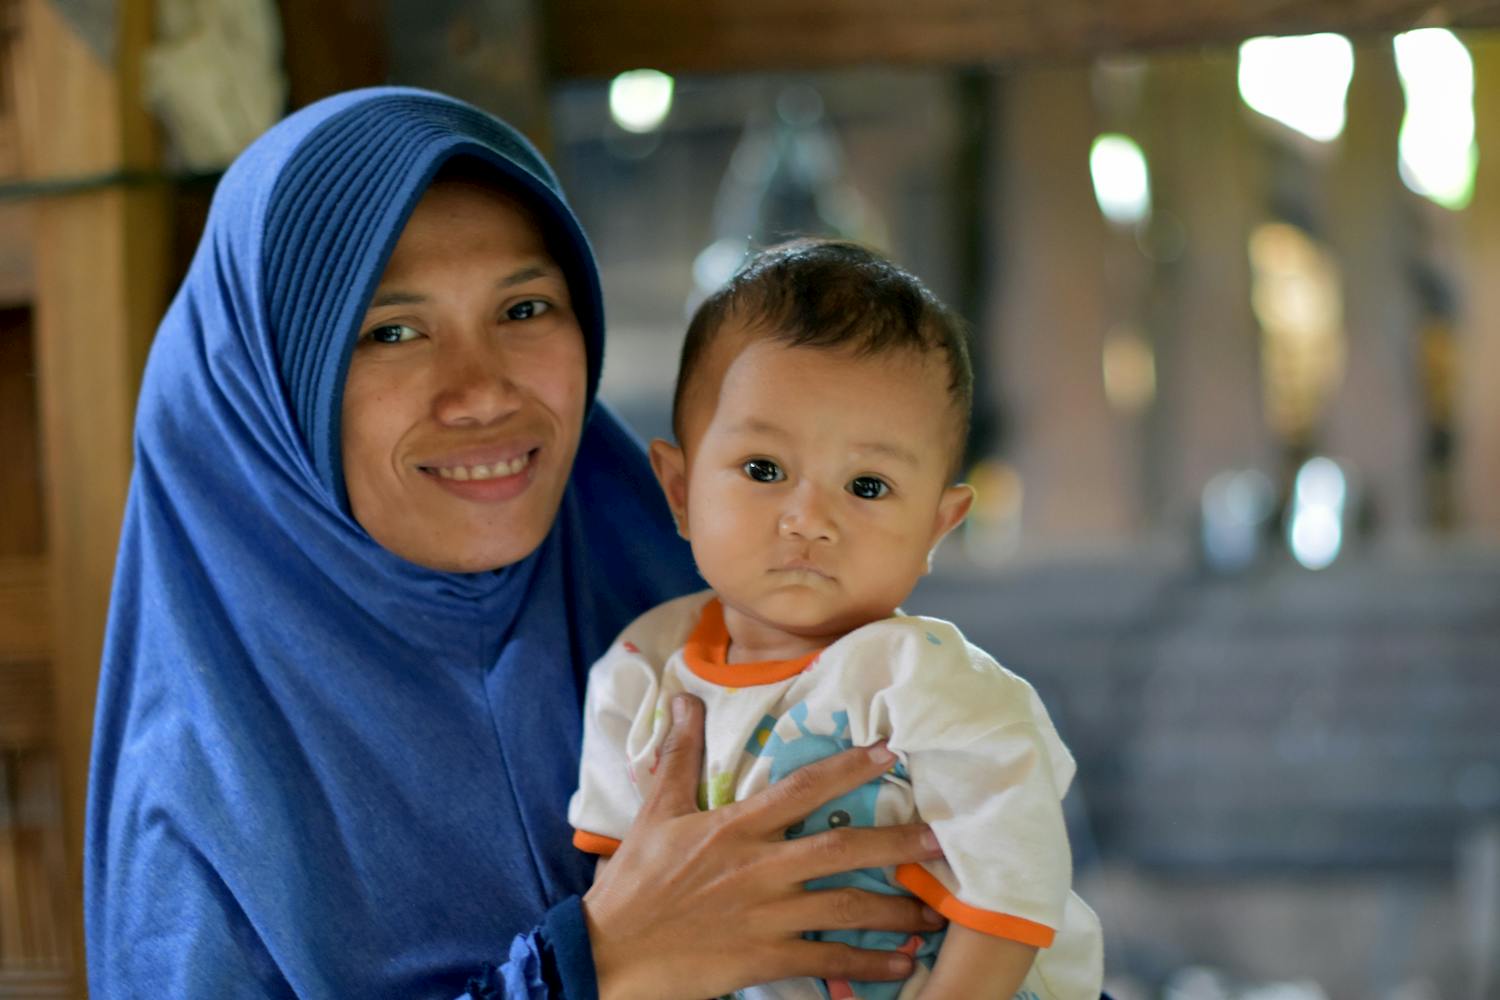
(755, 425)
(892, 451)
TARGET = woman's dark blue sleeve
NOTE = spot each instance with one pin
(552, 962)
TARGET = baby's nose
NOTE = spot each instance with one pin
(808, 517)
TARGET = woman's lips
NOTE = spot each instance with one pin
(482, 470)
(489, 475)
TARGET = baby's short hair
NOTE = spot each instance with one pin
(833, 294)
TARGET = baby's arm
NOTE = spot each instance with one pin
(986, 772)
(972, 965)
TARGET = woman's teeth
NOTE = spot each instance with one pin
(468, 473)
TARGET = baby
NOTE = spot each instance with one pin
(821, 411)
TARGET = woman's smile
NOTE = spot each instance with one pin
(485, 481)
(476, 464)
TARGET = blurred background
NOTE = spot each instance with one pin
(1233, 272)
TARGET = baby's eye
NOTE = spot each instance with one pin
(868, 487)
(763, 470)
(393, 333)
(530, 309)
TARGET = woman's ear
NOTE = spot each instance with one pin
(671, 472)
(953, 507)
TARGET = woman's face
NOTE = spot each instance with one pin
(465, 396)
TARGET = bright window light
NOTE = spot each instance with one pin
(640, 99)
(1321, 483)
(1315, 531)
(1438, 153)
(1301, 81)
(1122, 182)
(1316, 537)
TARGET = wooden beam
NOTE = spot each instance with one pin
(100, 274)
(331, 45)
(478, 50)
(602, 37)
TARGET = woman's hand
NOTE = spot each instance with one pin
(697, 904)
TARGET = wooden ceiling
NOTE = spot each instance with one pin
(602, 37)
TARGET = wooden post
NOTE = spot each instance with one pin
(1375, 418)
(1209, 186)
(101, 268)
(1051, 313)
(1479, 333)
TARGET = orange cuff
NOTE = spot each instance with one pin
(922, 884)
(593, 843)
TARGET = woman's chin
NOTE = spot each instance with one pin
(471, 544)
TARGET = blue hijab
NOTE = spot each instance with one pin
(320, 770)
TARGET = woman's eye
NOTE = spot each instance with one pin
(530, 309)
(868, 487)
(394, 333)
(763, 470)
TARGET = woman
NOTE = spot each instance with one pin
(377, 531)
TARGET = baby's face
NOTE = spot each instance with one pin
(816, 485)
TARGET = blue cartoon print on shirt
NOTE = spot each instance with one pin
(856, 808)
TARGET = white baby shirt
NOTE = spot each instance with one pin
(980, 763)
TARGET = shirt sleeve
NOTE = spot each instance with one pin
(987, 773)
(620, 710)
(552, 962)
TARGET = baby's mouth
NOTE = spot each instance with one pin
(804, 566)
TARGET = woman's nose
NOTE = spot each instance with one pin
(807, 516)
(474, 387)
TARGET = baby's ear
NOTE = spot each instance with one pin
(671, 472)
(953, 507)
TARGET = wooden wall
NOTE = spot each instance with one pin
(86, 270)
(79, 318)
(35, 915)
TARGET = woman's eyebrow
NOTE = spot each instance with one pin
(529, 273)
(400, 297)
(396, 297)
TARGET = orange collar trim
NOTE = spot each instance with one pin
(707, 650)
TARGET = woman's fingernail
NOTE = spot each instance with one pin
(679, 710)
(900, 965)
(930, 842)
(931, 917)
(882, 754)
